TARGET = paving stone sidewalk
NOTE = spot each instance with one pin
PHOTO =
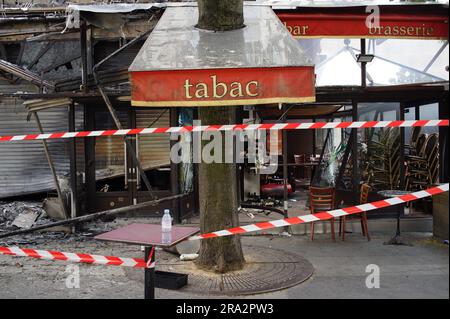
(417, 271)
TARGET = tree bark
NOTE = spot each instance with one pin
(220, 15)
(217, 181)
(219, 203)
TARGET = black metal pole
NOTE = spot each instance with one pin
(401, 208)
(149, 276)
(401, 117)
(83, 48)
(397, 232)
(397, 240)
(73, 165)
(354, 141)
(89, 158)
(285, 170)
(175, 171)
(363, 64)
(314, 140)
(443, 142)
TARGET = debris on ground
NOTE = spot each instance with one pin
(10, 212)
(52, 207)
(26, 214)
(285, 234)
(188, 257)
(15, 214)
(26, 219)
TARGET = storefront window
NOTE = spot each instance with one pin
(333, 145)
(410, 115)
(429, 112)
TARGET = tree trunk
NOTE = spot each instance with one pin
(220, 15)
(219, 203)
(217, 181)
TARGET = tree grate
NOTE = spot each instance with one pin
(266, 270)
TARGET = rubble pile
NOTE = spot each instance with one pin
(10, 211)
(22, 215)
(26, 214)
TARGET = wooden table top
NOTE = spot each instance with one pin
(147, 234)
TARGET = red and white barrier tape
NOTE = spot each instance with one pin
(149, 263)
(141, 263)
(233, 127)
(78, 258)
(325, 215)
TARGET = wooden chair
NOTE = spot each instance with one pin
(321, 200)
(362, 216)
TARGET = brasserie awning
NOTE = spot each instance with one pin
(428, 21)
(180, 65)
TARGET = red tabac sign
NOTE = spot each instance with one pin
(214, 87)
(391, 25)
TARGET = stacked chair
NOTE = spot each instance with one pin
(422, 164)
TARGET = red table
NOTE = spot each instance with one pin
(148, 235)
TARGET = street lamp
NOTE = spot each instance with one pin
(364, 58)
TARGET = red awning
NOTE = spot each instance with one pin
(180, 65)
(223, 87)
(394, 22)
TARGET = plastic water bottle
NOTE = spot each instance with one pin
(166, 225)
